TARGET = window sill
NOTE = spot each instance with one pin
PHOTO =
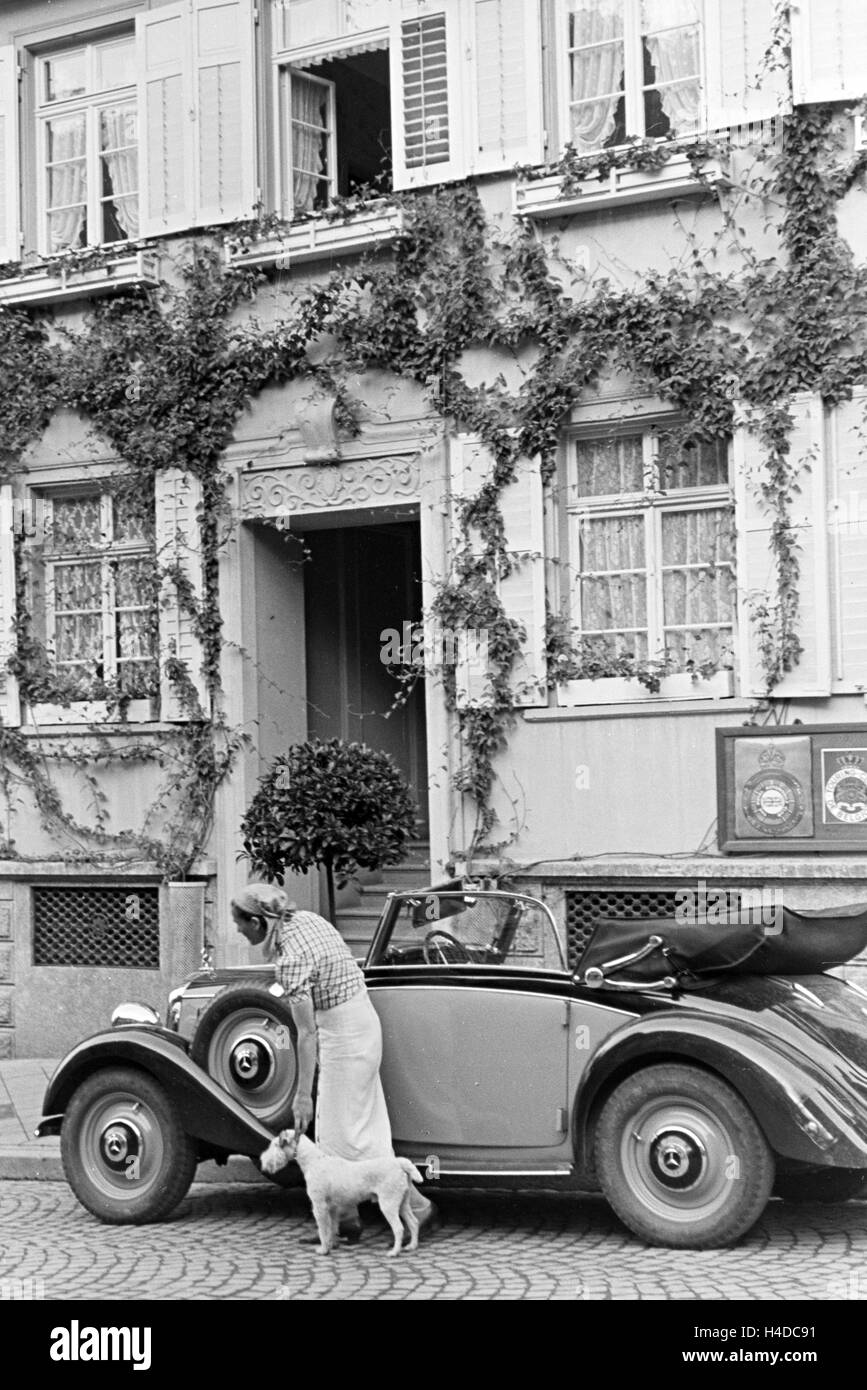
(91, 712)
(62, 283)
(610, 690)
(319, 237)
(675, 179)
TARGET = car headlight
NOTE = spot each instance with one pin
(135, 1015)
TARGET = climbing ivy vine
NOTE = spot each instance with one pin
(163, 377)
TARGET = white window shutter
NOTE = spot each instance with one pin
(178, 500)
(470, 466)
(225, 105)
(165, 100)
(847, 539)
(829, 50)
(10, 711)
(506, 81)
(737, 36)
(10, 242)
(427, 89)
(757, 570)
(522, 593)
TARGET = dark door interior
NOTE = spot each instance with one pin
(361, 582)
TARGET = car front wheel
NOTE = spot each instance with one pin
(124, 1151)
(681, 1159)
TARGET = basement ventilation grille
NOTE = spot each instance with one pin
(95, 926)
(586, 907)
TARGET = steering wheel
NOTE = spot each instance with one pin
(463, 955)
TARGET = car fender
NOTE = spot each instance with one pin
(206, 1111)
(784, 1091)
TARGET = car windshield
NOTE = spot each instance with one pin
(499, 929)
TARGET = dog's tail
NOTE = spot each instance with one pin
(411, 1170)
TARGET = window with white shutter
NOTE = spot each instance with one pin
(87, 145)
(427, 82)
(10, 714)
(847, 540)
(333, 80)
(198, 112)
(507, 85)
(650, 553)
(179, 557)
(829, 50)
(662, 69)
(757, 560)
(10, 245)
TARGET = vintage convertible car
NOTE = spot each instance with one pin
(688, 1071)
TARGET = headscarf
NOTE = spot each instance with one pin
(269, 902)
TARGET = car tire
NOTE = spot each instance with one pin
(246, 1042)
(125, 1153)
(681, 1159)
(823, 1185)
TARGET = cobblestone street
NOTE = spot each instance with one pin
(241, 1242)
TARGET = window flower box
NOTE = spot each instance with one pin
(676, 178)
(59, 283)
(628, 689)
(317, 238)
(91, 712)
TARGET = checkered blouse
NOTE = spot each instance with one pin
(315, 962)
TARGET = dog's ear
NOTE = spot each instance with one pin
(285, 1138)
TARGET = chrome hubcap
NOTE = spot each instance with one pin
(122, 1146)
(121, 1141)
(679, 1159)
(252, 1056)
(251, 1062)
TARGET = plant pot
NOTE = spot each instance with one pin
(628, 689)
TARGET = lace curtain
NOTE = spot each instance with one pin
(670, 31)
(697, 580)
(309, 141)
(614, 601)
(67, 146)
(675, 53)
(596, 76)
(120, 156)
(697, 575)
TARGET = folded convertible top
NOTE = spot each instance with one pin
(796, 943)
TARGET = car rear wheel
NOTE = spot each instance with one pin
(245, 1041)
(681, 1159)
(125, 1153)
(823, 1185)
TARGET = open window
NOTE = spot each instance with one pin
(87, 145)
(335, 124)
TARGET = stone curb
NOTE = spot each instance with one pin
(29, 1162)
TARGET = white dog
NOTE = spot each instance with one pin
(335, 1184)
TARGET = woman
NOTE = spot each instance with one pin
(332, 1012)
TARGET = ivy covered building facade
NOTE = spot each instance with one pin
(483, 380)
